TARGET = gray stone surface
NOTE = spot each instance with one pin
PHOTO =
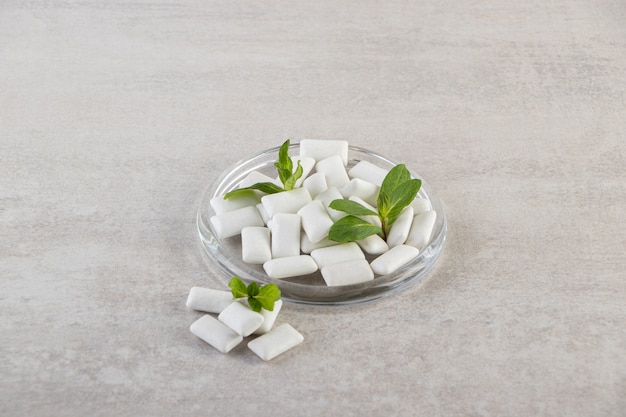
(114, 117)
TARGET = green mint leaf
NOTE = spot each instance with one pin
(351, 228)
(400, 198)
(265, 187)
(239, 192)
(351, 207)
(283, 174)
(285, 168)
(394, 178)
(283, 155)
(255, 305)
(290, 183)
(268, 295)
(253, 289)
(238, 287)
(284, 164)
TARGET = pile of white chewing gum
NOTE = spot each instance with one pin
(287, 232)
(235, 321)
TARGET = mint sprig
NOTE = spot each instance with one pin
(286, 174)
(285, 167)
(263, 296)
(396, 192)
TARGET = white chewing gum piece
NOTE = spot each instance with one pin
(292, 266)
(269, 317)
(230, 223)
(306, 246)
(285, 235)
(215, 333)
(208, 299)
(221, 205)
(343, 252)
(394, 259)
(420, 205)
(256, 177)
(369, 172)
(373, 245)
(347, 273)
(375, 220)
(315, 220)
(362, 189)
(334, 170)
(275, 342)
(399, 230)
(322, 149)
(315, 184)
(327, 197)
(255, 245)
(241, 319)
(422, 229)
(286, 201)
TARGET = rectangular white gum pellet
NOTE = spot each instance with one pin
(369, 172)
(241, 319)
(399, 230)
(255, 177)
(362, 189)
(321, 149)
(343, 252)
(255, 245)
(285, 235)
(420, 205)
(334, 170)
(394, 259)
(375, 220)
(292, 266)
(215, 333)
(286, 201)
(315, 184)
(327, 197)
(230, 223)
(278, 340)
(269, 317)
(306, 246)
(221, 205)
(208, 299)
(315, 220)
(422, 229)
(373, 245)
(346, 273)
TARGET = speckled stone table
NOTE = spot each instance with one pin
(115, 116)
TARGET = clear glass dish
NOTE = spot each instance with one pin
(225, 254)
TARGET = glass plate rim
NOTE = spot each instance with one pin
(381, 286)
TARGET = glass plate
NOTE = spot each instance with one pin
(225, 254)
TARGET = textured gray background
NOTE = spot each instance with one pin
(114, 117)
